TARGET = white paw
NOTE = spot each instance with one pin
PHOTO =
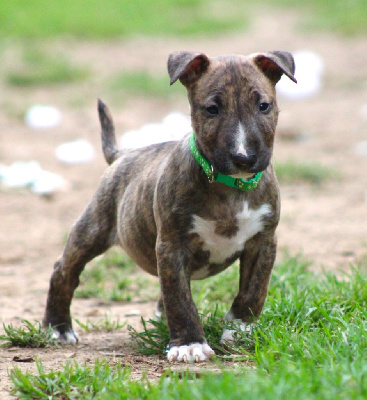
(195, 352)
(67, 338)
(158, 314)
(229, 335)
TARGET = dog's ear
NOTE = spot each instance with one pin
(276, 63)
(186, 66)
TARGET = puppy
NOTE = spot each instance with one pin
(189, 209)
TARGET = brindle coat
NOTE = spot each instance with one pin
(148, 199)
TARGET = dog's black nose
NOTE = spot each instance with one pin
(247, 161)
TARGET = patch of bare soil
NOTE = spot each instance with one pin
(327, 224)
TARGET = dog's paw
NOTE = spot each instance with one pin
(195, 352)
(66, 338)
(158, 315)
(229, 335)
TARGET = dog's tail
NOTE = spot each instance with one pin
(109, 146)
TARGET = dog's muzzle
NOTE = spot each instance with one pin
(242, 160)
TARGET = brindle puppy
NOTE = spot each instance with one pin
(158, 204)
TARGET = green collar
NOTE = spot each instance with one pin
(215, 176)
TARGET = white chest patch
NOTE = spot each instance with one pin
(250, 222)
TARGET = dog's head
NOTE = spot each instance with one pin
(233, 106)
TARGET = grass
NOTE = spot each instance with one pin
(143, 83)
(72, 382)
(153, 339)
(103, 382)
(103, 325)
(106, 382)
(292, 172)
(31, 19)
(309, 343)
(114, 278)
(93, 19)
(29, 335)
(346, 17)
(41, 68)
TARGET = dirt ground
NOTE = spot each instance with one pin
(327, 224)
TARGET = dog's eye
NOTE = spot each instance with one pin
(212, 110)
(264, 107)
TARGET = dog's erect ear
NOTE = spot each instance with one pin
(276, 63)
(186, 66)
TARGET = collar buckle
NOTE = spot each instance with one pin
(211, 176)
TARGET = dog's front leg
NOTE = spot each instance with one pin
(187, 340)
(256, 264)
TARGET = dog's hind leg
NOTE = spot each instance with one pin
(159, 311)
(91, 236)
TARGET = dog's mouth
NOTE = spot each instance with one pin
(247, 166)
(239, 171)
(244, 175)
(240, 166)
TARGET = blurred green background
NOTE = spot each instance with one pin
(28, 19)
(34, 28)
